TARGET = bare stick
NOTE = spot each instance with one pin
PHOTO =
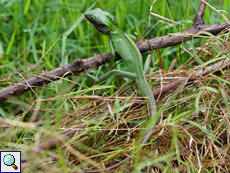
(95, 61)
(199, 16)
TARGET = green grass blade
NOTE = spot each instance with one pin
(11, 43)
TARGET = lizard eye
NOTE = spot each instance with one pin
(110, 17)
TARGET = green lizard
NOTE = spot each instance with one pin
(103, 22)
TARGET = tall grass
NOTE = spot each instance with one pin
(39, 35)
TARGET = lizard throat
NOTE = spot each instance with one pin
(101, 28)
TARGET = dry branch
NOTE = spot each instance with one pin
(199, 16)
(92, 62)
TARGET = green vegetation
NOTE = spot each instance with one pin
(38, 35)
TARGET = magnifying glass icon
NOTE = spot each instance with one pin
(9, 160)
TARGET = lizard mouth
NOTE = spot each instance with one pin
(101, 28)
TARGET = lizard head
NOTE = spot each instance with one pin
(101, 20)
